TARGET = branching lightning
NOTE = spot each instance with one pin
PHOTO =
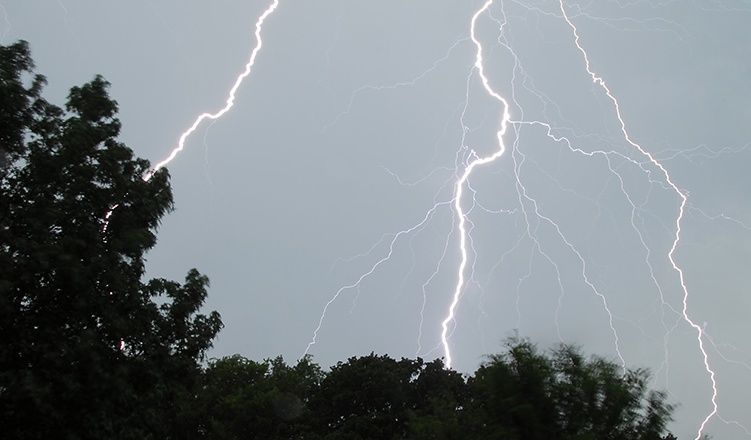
(373, 268)
(683, 198)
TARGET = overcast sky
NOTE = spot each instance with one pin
(353, 126)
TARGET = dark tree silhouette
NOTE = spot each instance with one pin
(88, 351)
(521, 394)
(240, 398)
(527, 395)
(367, 397)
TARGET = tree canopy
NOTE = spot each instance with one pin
(88, 349)
(521, 394)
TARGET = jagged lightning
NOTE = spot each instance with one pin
(678, 221)
(230, 99)
(461, 182)
(203, 116)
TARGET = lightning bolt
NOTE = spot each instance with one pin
(230, 98)
(462, 181)
(204, 116)
(678, 221)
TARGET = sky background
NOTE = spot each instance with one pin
(356, 120)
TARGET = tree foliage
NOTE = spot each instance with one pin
(521, 394)
(526, 394)
(88, 349)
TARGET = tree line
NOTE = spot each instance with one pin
(520, 394)
(91, 350)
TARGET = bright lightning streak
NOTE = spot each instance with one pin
(684, 199)
(462, 181)
(230, 99)
(203, 116)
(425, 294)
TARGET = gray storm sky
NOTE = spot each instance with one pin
(350, 129)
